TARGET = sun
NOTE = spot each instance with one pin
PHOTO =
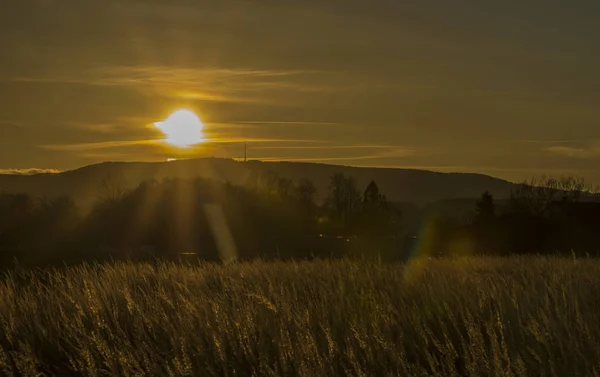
(183, 129)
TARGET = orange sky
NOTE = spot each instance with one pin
(502, 88)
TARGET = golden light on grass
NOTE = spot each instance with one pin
(183, 129)
(478, 317)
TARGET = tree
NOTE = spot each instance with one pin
(306, 192)
(269, 181)
(305, 196)
(271, 184)
(376, 217)
(372, 194)
(374, 207)
(344, 197)
(486, 209)
(285, 187)
(111, 189)
(536, 196)
(17, 217)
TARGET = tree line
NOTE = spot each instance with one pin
(273, 217)
(542, 216)
(268, 217)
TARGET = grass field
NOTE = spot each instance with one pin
(472, 317)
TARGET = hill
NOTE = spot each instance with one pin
(400, 185)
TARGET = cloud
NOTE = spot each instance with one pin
(209, 84)
(381, 152)
(112, 156)
(309, 129)
(468, 169)
(320, 159)
(175, 76)
(101, 128)
(550, 141)
(574, 152)
(99, 145)
(84, 147)
(292, 123)
(228, 140)
(29, 171)
(328, 146)
(9, 123)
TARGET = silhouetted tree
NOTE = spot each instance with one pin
(305, 196)
(537, 195)
(486, 208)
(269, 182)
(111, 189)
(537, 218)
(372, 194)
(35, 229)
(306, 192)
(285, 187)
(343, 199)
(17, 218)
(377, 220)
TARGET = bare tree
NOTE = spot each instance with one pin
(344, 197)
(485, 207)
(538, 194)
(111, 189)
(306, 192)
(285, 187)
(267, 182)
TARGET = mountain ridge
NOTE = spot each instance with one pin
(399, 184)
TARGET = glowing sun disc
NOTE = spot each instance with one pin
(182, 129)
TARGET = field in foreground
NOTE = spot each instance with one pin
(476, 317)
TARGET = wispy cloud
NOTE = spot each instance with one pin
(270, 127)
(292, 123)
(101, 128)
(99, 145)
(467, 169)
(326, 146)
(550, 141)
(134, 75)
(228, 140)
(211, 84)
(575, 152)
(114, 156)
(227, 79)
(84, 147)
(379, 152)
(29, 171)
(9, 123)
(320, 159)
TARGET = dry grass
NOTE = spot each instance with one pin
(476, 317)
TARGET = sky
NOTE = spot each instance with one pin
(507, 88)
